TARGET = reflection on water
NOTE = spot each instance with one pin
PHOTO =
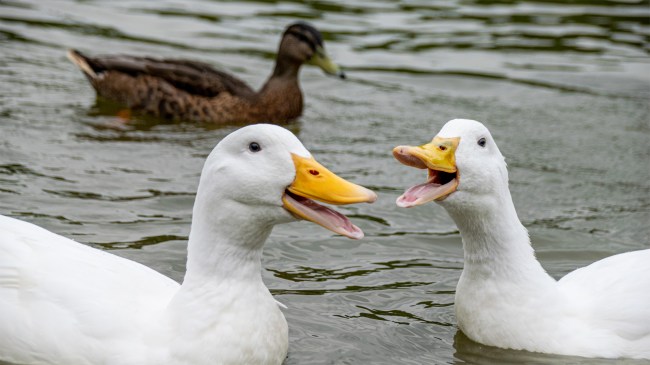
(562, 85)
(470, 352)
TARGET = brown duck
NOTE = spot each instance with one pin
(194, 91)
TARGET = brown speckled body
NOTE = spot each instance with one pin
(278, 102)
(194, 91)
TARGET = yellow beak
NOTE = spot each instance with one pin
(322, 60)
(439, 154)
(314, 181)
(439, 158)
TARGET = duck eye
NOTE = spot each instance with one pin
(254, 147)
(481, 142)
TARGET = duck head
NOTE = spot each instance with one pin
(302, 43)
(463, 162)
(264, 172)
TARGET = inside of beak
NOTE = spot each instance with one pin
(315, 182)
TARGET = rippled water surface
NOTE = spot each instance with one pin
(563, 86)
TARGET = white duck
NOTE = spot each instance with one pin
(504, 297)
(62, 302)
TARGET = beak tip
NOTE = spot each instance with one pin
(357, 235)
(402, 203)
(399, 150)
(366, 194)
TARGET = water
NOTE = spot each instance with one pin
(563, 86)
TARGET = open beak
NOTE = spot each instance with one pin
(438, 157)
(314, 181)
(322, 60)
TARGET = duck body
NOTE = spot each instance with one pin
(42, 275)
(62, 302)
(504, 297)
(194, 91)
(79, 305)
(509, 301)
(116, 311)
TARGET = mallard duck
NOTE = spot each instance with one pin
(504, 297)
(194, 91)
(62, 302)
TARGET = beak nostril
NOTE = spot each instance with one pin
(442, 148)
(314, 172)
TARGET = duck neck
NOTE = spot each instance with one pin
(285, 69)
(225, 243)
(495, 243)
(223, 281)
(280, 97)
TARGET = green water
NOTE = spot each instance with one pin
(563, 86)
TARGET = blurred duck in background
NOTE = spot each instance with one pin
(187, 90)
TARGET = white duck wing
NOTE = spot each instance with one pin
(614, 293)
(58, 296)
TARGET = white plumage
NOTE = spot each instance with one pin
(504, 297)
(62, 302)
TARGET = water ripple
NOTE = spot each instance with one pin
(101, 197)
(19, 169)
(393, 316)
(145, 241)
(350, 289)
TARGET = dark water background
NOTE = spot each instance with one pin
(564, 87)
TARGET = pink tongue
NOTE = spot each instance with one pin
(419, 194)
(328, 218)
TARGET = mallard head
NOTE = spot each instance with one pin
(302, 43)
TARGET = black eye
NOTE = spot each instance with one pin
(481, 142)
(254, 147)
